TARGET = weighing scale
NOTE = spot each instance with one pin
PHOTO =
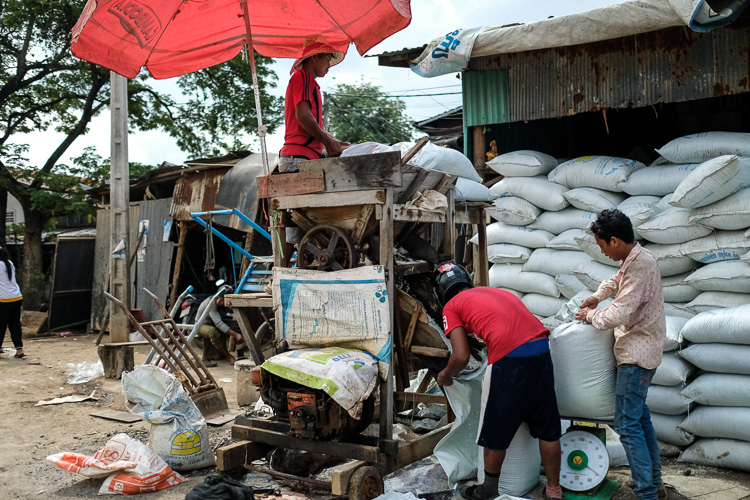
(584, 464)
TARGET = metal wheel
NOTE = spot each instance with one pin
(366, 483)
(326, 248)
(266, 339)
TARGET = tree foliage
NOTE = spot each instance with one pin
(43, 87)
(364, 112)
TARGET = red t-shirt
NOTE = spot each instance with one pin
(497, 317)
(302, 87)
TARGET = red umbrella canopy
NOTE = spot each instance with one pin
(175, 37)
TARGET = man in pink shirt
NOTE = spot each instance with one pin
(637, 316)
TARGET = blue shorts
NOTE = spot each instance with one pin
(517, 390)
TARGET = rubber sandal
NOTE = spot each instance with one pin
(21, 355)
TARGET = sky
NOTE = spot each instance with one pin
(430, 19)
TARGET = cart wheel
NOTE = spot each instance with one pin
(266, 339)
(365, 484)
(327, 248)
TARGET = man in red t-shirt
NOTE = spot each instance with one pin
(518, 385)
(305, 138)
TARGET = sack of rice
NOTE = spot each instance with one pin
(673, 370)
(719, 358)
(592, 199)
(731, 213)
(512, 276)
(591, 274)
(712, 181)
(468, 190)
(715, 301)
(667, 430)
(667, 400)
(657, 181)
(672, 226)
(543, 305)
(674, 336)
(603, 172)
(514, 211)
(562, 220)
(536, 190)
(670, 260)
(717, 247)
(507, 253)
(728, 326)
(678, 310)
(726, 453)
(585, 371)
(719, 422)
(675, 289)
(719, 389)
(638, 209)
(514, 292)
(697, 148)
(726, 276)
(554, 262)
(439, 158)
(569, 285)
(523, 163)
(499, 232)
(566, 240)
(588, 244)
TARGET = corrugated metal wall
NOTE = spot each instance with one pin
(154, 265)
(671, 65)
(70, 301)
(196, 192)
(485, 97)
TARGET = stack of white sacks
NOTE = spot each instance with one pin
(690, 208)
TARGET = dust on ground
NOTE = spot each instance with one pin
(32, 433)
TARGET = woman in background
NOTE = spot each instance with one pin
(10, 303)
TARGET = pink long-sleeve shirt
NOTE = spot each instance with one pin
(637, 313)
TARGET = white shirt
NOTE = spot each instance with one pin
(9, 291)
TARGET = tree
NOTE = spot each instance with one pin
(44, 87)
(364, 112)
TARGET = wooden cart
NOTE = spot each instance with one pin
(339, 204)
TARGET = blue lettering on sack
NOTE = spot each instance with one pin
(450, 43)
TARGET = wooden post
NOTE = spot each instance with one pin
(481, 265)
(479, 146)
(449, 229)
(178, 263)
(386, 260)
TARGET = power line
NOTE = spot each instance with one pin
(374, 96)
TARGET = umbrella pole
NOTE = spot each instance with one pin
(256, 90)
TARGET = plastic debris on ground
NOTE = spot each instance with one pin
(425, 476)
(84, 371)
(130, 467)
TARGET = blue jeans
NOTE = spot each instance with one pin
(633, 424)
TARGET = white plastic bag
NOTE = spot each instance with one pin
(84, 371)
(179, 433)
(588, 244)
(543, 305)
(591, 274)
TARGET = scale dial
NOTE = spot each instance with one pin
(585, 461)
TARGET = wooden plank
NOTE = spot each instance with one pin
(416, 312)
(407, 194)
(219, 419)
(376, 197)
(249, 335)
(479, 158)
(482, 266)
(365, 215)
(119, 416)
(178, 262)
(237, 455)
(475, 213)
(432, 352)
(449, 229)
(411, 214)
(249, 300)
(341, 476)
(290, 184)
(435, 180)
(386, 260)
(408, 453)
(354, 173)
(413, 397)
(275, 438)
(413, 151)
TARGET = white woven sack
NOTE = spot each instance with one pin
(667, 400)
(507, 253)
(727, 326)
(442, 159)
(674, 338)
(657, 181)
(543, 305)
(514, 292)
(551, 322)
(554, 262)
(522, 163)
(745, 257)
(566, 240)
(511, 276)
(672, 226)
(719, 389)
(569, 285)
(719, 358)
(678, 310)
(725, 453)
(713, 180)
(696, 148)
(717, 247)
(585, 371)
(499, 232)
(593, 273)
(592, 199)
(514, 211)
(537, 190)
(567, 313)
(719, 422)
(670, 260)
(588, 244)
(675, 289)
(603, 172)
(521, 466)
(639, 209)
(562, 220)
(663, 204)
(468, 190)
(731, 213)
(665, 427)
(716, 301)
(673, 370)
(726, 276)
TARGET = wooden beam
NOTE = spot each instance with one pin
(354, 173)
(413, 151)
(249, 335)
(376, 197)
(290, 184)
(411, 214)
(341, 476)
(249, 300)
(237, 455)
(408, 453)
(481, 264)
(479, 147)
(413, 397)
(178, 263)
(432, 352)
(386, 260)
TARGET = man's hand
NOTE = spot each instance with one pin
(237, 336)
(334, 147)
(444, 380)
(581, 314)
(590, 303)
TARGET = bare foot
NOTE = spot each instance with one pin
(231, 360)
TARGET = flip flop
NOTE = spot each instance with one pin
(21, 355)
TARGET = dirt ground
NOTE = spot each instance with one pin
(32, 433)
